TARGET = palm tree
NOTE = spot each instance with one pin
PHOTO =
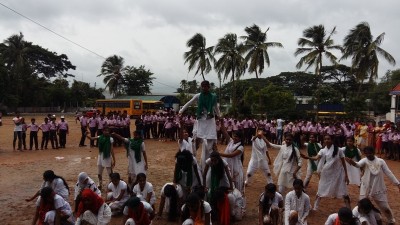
(231, 60)
(317, 45)
(364, 50)
(199, 55)
(14, 52)
(257, 49)
(112, 69)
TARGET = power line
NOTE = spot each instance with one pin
(48, 29)
(65, 38)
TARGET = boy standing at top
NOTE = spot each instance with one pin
(207, 111)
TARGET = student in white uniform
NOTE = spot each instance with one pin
(106, 158)
(372, 182)
(259, 158)
(312, 150)
(287, 163)
(352, 152)
(92, 210)
(136, 153)
(185, 142)
(344, 216)
(233, 155)
(366, 212)
(84, 181)
(216, 174)
(57, 183)
(186, 172)
(196, 211)
(171, 197)
(270, 205)
(117, 194)
(137, 212)
(144, 190)
(207, 112)
(51, 207)
(299, 202)
(333, 178)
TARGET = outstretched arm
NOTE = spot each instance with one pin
(191, 101)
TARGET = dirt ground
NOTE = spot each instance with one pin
(21, 175)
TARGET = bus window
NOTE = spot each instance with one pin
(136, 105)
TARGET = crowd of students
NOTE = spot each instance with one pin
(212, 190)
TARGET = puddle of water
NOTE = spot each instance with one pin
(59, 157)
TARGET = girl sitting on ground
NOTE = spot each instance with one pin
(137, 212)
(52, 209)
(117, 194)
(144, 190)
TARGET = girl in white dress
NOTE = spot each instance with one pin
(144, 190)
(259, 158)
(287, 163)
(171, 198)
(270, 205)
(117, 194)
(333, 173)
(186, 172)
(312, 150)
(352, 152)
(136, 153)
(233, 155)
(57, 183)
(50, 206)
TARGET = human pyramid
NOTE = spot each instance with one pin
(213, 189)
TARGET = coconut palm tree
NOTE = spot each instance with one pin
(315, 44)
(14, 53)
(199, 55)
(364, 50)
(231, 60)
(112, 69)
(256, 47)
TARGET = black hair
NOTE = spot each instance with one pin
(139, 176)
(220, 167)
(115, 176)
(298, 182)
(184, 162)
(218, 196)
(50, 175)
(270, 188)
(46, 192)
(366, 205)
(369, 149)
(293, 155)
(171, 193)
(347, 215)
(205, 82)
(192, 199)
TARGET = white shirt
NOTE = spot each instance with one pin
(116, 190)
(142, 194)
(301, 205)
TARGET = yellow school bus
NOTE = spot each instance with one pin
(134, 107)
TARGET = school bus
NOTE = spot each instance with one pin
(134, 107)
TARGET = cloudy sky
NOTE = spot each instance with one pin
(154, 32)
